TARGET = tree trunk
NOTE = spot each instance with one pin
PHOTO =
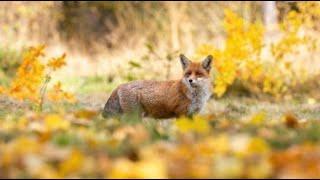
(270, 14)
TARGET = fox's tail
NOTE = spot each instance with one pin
(112, 107)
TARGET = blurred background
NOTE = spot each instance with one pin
(262, 122)
(112, 42)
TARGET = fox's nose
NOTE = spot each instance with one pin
(190, 80)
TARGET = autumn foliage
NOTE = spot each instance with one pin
(242, 59)
(33, 77)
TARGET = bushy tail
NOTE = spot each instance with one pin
(112, 107)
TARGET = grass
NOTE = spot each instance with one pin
(238, 108)
(87, 85)
(9, 62)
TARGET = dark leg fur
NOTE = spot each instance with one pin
(112, 107)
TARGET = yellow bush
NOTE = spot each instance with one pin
(241, 56)
(29, 76)
(33, 77)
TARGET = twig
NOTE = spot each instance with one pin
(43, 90)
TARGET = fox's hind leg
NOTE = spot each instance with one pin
(112, 107)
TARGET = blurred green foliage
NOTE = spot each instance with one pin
(10, 60)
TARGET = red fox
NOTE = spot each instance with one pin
(164, 99)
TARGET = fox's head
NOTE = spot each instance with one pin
(196, 74)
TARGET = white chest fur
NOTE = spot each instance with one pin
(199, 96)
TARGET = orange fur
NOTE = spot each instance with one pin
(163, 99)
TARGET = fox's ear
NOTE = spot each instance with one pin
(206, 63)
(184, 61)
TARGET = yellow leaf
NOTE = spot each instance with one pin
(122, 169)
(258, 145)
(55, 122)
(72, 164)
(2, 90)
(57, 94)
(46, 171)
(151, 168)
(184, 124)
(56, 63)
(85, 114)
(258, 119)
(200, 124)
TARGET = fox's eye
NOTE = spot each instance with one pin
(188, 73)
(198, 73)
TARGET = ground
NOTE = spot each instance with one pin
(236, 136)
(228, 107)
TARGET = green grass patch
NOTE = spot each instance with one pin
(87, 84)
